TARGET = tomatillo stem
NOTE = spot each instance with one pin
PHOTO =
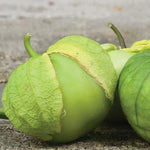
(119, 35)
(2, 114)
(28, 46)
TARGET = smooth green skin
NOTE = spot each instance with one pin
(84, 100)
(134, 91)
(118, 58)
(64, 93)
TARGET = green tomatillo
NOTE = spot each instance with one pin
(119, 57)
(62, 94)
(134, 91)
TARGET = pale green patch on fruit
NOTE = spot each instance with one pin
(119, 59)
(134, 91)
(91, 56)
(84, 100)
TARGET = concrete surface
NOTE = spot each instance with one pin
(50, 20)
(106, 137)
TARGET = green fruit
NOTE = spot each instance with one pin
(134, 91)
(62, 94)
(119, 59)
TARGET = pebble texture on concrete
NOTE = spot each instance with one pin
(50, 20)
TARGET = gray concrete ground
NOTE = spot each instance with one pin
(50, 20)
